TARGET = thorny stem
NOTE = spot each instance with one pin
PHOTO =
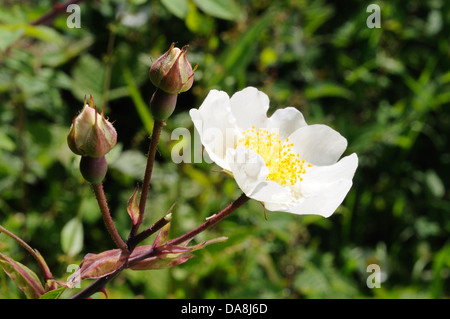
(100, 283)
(135, 260)
(157, 128)
(47, 273)
(96, 286)
(133, 239)
(101, 199)
(211, 221)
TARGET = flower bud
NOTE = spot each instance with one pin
(91, 134)
(172, 72)
(162, 104)
(93, 169)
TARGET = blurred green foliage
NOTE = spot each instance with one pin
(386, 90)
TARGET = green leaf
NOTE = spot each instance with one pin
(198, 22)
(131, 163)
(13, 15)
(8, 37)
(43, 33)
(223, 9)
(441, 261)
(53, 294)
(72, 237)
(25, 278)
(179, 8)
(56, 56)
(39, 32)
(315, 16)
(88, 77)
(6, 143)
(445, 78)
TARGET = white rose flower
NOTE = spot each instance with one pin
(281, 161)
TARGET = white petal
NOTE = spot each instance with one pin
(277, 206)
(323, 203)
(216, 126)
(344, 169)
(250, 107)
(287, 120)
(318, 144)
(248, 168)
(270, 192)
(323, 187)
(250, 173)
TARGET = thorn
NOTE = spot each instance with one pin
(104, 292)
(168, 215)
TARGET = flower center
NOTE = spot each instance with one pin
(285, 166)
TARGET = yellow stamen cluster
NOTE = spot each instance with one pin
(284, 165)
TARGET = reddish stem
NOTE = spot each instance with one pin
(100, 283)
(157, 128)
(211, 221)
(101, 199)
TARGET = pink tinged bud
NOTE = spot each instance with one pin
(172, 72)
(91, 134)
(133, 207)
